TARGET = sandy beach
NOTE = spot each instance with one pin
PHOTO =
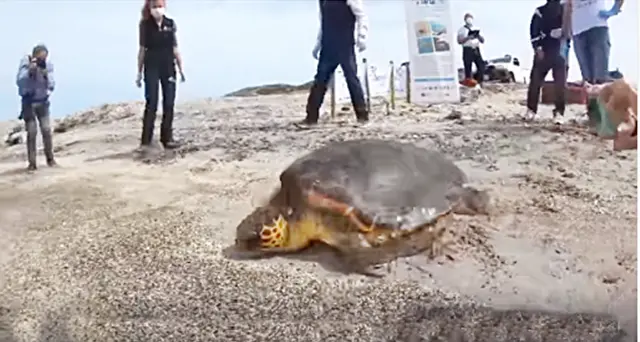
(111, 247)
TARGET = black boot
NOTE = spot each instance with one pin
(362, 115)
(314, 102)
(148, 121)
(166, 129)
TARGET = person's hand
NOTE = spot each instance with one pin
(539, 54)
(608, 14)
(361, 43)
(33, 64)
(139, 80)
(316, 51)
(182, 78)
(625, 138)
(556, 33)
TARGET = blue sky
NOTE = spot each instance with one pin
(231, 44)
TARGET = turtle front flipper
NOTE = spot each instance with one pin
(319, 201)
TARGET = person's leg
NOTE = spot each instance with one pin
(168, 84)
(581, 49)
(539, 71)
(479, 62)
(349, 66)
(151, 80)
(467, 61)
(600, 47)
(42, 113)
(327, 64)
(31, 127)
(559, 71)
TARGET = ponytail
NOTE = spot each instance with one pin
(146, 11)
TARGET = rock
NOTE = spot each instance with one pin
(270, 89)
(15, 136)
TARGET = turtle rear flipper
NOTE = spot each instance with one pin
(361, 252)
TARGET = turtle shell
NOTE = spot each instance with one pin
(391, 184)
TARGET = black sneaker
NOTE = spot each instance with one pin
(171, 145)
(32, 167)
(306, 123)
(52, 162)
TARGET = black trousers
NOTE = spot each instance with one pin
(329, 60)
(473, 56)
(153, 78)
(556, 63)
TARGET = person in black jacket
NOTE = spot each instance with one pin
(339, 20)
(157, 59)
(548, 38)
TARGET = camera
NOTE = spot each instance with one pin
(41, 63)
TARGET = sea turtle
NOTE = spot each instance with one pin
(367, 198)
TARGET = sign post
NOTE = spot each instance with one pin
(434, 76)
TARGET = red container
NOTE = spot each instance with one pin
(574, 92)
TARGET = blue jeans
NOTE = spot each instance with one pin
(592, 49)
(329, 60)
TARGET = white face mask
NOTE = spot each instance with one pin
(157, 12)
(469, 21)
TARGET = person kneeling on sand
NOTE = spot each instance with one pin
(335, 46)
(618, 113)
(549, 41)
(35, 83)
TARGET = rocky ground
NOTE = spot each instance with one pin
(113, 247)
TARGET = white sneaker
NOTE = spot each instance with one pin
(558, 119)
(529, 115)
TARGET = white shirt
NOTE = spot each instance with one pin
(472, 43)
(585, 15)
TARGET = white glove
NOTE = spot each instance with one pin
(556, 33)
(316, 51)
(361, 43)
(139, 80)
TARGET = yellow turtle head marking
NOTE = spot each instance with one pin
(274, 235)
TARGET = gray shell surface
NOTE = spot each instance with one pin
(398, 185)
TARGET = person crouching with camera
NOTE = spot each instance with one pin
(35, 83)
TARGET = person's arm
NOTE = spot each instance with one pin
(481, 38)
(51, 83)
(463, 35)
(142, 46)
(535, 31)
(362, 21)
(617, 5)
(176, 51)
(319, 36)
(567, 11)
(24, 72)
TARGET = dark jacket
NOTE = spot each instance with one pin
(34, 86)
(547, 18)
(338, 24)
(158, 42)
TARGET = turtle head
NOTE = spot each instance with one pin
(265, 228)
